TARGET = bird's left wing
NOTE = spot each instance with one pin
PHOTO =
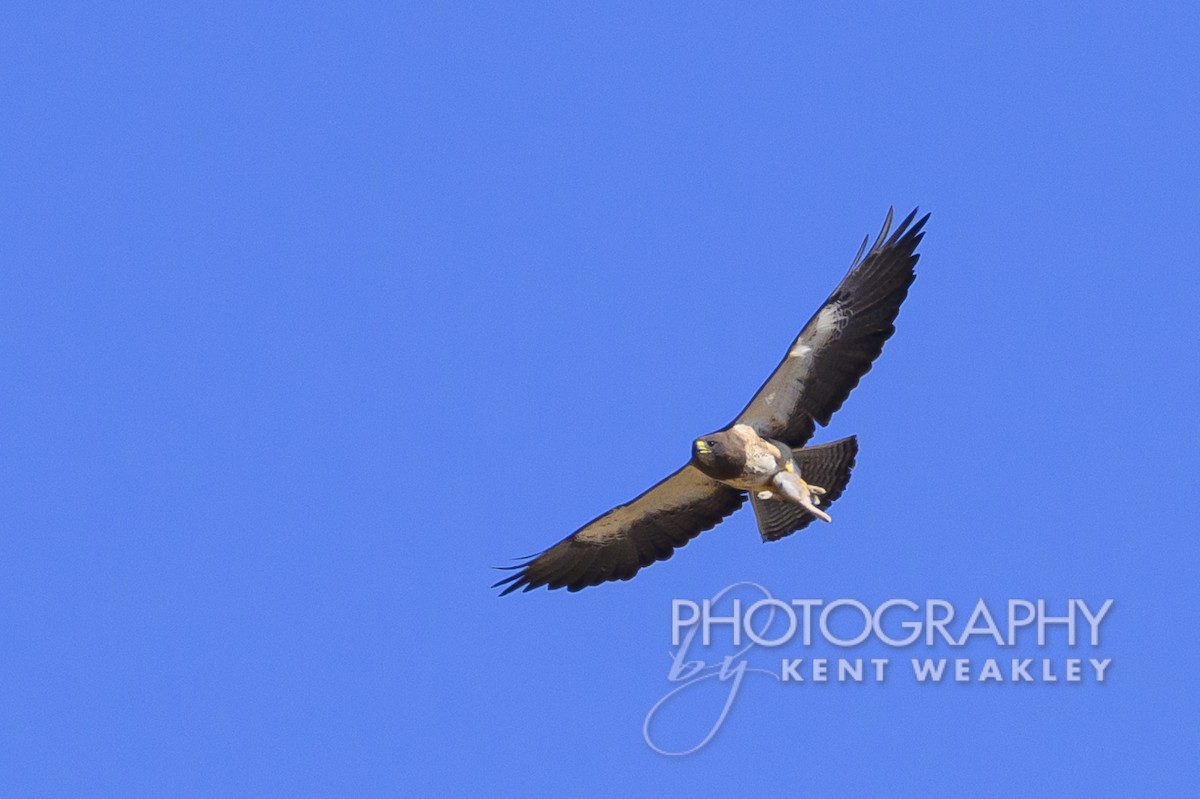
(647, 529)
(837, 346)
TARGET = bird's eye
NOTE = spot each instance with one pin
(711, 443)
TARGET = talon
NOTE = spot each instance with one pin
(764, 495)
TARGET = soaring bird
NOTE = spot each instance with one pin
(760, 454)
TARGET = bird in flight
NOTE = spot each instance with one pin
(761, 454)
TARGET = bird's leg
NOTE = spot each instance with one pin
(793, 489)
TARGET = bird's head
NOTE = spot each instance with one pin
(719, 455)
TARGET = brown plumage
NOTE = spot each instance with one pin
(762, 453)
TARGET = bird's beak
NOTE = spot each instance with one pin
(702, 448)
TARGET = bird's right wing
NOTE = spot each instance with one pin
(837, 346)
(619, 543)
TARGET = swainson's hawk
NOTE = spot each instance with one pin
(761, 454)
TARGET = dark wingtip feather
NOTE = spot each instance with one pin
(514, 581)
(507, 579)
(861, 249)
(523, 561)
(512, 588)
(913, 233)
(521, 580)
(887, 225)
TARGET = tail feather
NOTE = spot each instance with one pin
(826, 465)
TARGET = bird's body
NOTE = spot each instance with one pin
(764, 458)
(740, 458)
(763, 454)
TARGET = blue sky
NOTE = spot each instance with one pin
(314, 315)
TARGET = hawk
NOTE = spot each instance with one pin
(761, 454)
